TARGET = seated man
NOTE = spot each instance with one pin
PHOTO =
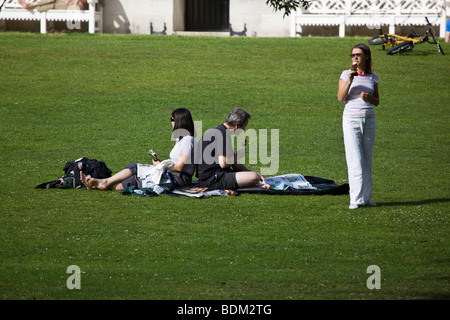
(219, 168)
(43, 5)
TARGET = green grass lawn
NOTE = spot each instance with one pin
(109, 97)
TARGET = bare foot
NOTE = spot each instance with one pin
(85, 180)
(92, 183)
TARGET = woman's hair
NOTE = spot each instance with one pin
(184, 125)
(366, 50)
(237, 117)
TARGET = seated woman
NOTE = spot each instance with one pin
(182, 155)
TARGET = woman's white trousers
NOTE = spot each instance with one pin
(359, 138)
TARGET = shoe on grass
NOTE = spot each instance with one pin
(370, 204)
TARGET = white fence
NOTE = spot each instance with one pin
(370, 13)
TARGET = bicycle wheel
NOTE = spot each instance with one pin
(377, 40)
(440, 48)
(435, 41)
(401, 47)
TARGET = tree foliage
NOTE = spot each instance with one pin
(288, 5)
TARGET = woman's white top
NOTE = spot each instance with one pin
(184, 146)
(355, 106)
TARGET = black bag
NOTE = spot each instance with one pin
(90, 167)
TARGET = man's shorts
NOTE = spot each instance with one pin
(447, 27)
(133, 180)
(220, 180)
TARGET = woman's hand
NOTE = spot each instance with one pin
(365, 96)
(373, 98)
(352, 75)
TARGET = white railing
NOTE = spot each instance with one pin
(371, 13)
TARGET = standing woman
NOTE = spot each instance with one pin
(359, 90)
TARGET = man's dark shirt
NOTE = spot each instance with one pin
(214, 143)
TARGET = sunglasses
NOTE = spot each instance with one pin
(352, 55)
(172, 119)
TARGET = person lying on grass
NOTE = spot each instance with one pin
(44, 5)
(182, 156)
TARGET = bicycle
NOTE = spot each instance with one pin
(402, 44)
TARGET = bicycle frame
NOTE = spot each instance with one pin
(392, 39)
(396, 41)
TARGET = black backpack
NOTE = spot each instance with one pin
(71, 179)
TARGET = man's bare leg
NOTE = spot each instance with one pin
(249, 179)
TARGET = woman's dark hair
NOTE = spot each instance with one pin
(184, 125)
(366, 50)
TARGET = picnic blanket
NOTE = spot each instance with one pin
(157, 180)
(289, 184)
(319, 186)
